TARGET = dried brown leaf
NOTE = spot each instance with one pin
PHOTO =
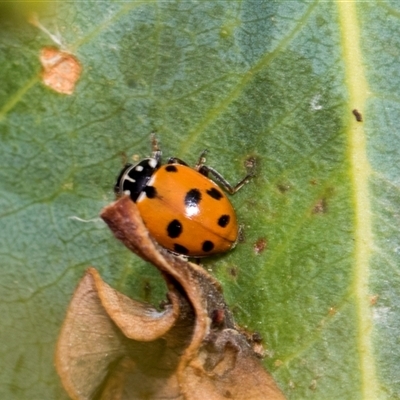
(192, 350)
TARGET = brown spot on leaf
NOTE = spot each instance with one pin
(250, 163)
(358, 115)
(233, 271)
(61, 70)
(373, 299)
(320, 206)
(332, 311)
(112, 347)
(313, 384)
(260, 245)
(283, 187)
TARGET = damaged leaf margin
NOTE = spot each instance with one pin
(112, 347)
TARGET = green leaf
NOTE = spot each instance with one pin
(317, 273)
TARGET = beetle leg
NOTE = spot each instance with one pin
(201, 161)
(155, 149)
(175, 160)
(204, 169)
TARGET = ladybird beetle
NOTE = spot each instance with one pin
(185, 211)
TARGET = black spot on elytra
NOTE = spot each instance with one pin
(214, 193)
(180, 249)
(171, 168)
(192, 198)
(174, 229)
(150, 191)
(207, 246)
(223, 220)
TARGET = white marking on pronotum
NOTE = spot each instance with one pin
(152, 162)
(141, 196)
(128, 178)
(139, 168)
(151, 181)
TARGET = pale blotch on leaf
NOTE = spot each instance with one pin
(61, 70)
(113, 347)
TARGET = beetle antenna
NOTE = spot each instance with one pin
(155, 149)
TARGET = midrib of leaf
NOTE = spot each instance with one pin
(18, 95)
(360, 171)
